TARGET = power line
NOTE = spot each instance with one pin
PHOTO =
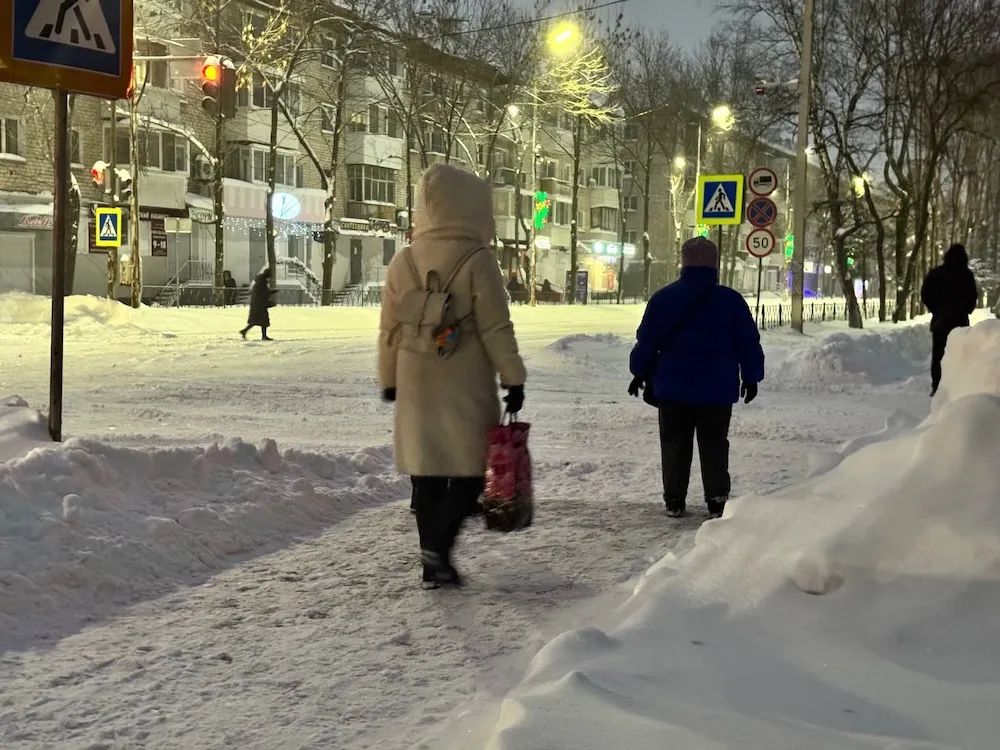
(532, 21)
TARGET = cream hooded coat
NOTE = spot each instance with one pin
(445, 406)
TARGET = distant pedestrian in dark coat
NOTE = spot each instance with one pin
(260, 304)
(229, 287)
(950, 294)
(699, 351)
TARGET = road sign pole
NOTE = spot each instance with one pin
(61, 188)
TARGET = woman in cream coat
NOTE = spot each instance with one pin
(446, 405)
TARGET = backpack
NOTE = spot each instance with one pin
(425, 321)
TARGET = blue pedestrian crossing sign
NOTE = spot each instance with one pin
(82, 46)
(720, 199)
(108, 227)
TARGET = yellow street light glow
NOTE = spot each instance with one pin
(513, 110)
(564, 38)
(722, 117)
(680, 162)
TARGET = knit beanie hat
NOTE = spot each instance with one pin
(699, 252)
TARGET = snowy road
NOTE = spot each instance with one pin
(327, 641)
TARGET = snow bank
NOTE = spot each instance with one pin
(85, 527)
(600, 348)
(21, 428)
(853, 359)
(857, 610)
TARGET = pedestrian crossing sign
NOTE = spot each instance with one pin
(108, 227)
(720, 199)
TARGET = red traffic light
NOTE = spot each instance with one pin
(97, 172)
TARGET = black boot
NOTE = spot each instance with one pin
(675, 507)
(716, 506)
(438, 571)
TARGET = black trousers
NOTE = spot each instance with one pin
(441, 505)
(679, 425)
(940, 329)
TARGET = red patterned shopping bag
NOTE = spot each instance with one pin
(508, 503)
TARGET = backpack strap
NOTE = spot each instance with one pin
(408, 253)
(459, 266)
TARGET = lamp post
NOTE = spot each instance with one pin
(562, 40)
(802, 169)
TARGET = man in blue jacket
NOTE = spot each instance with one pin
(699, 351)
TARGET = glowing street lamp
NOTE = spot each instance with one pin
(564, 38)
(680, 162)
(722, 117)
(860, 183)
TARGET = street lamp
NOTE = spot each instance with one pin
(564, 38)
(860, 183)
(680, 163)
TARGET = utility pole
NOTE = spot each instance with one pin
(802, 169)
(135, 269)
(217, 191)
(111, 190)
(534, 183)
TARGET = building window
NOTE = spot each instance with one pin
(293, 98)
(295, 247)
(75, 155)
(631, 132)
(158, 149)
(608, 177)
(251, 165)
(632, 236)
(604, 218)
(8, 137)
(328, 56)
(630, 167)
(563, 212)
(388, 250)
(358, 123)
(371, 184)
(435, 141)
(632, 203)
(328, 116)
(155, 73)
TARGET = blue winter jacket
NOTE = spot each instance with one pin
(703, 361)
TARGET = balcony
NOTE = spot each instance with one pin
(253, 125)
(603, 196)
(506, 177)
(374, 149)
(359, 210)
(552, 186)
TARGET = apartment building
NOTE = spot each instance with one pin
(406, 105)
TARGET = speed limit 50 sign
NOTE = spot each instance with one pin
(760, 243)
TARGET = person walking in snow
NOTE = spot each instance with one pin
(950, 295)
(260, 305)
(229, 288)
(698, 351)
(445, 336)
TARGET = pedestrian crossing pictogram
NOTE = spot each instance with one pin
(720, 199)
(719, 203)
(74, 23)
(109, 227)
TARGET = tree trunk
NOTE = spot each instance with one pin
(272, 181)
(854, 318)
(574, 229)
(647, 259)
(902, 226)
(331, 231)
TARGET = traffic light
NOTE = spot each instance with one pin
(124, 185)
(218, 83)
(97, 173)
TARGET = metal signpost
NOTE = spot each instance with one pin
(719, 202)
(761, 213)
(71, 46)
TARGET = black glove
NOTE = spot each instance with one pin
(514, 398)
(635, 386)
(749, 392)
(389, 395)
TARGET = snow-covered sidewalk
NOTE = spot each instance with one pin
(158, 593)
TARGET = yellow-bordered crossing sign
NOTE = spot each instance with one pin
(720, 199)
(108, 227)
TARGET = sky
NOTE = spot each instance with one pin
(687, 21)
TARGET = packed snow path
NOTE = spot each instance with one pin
(324, 639)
